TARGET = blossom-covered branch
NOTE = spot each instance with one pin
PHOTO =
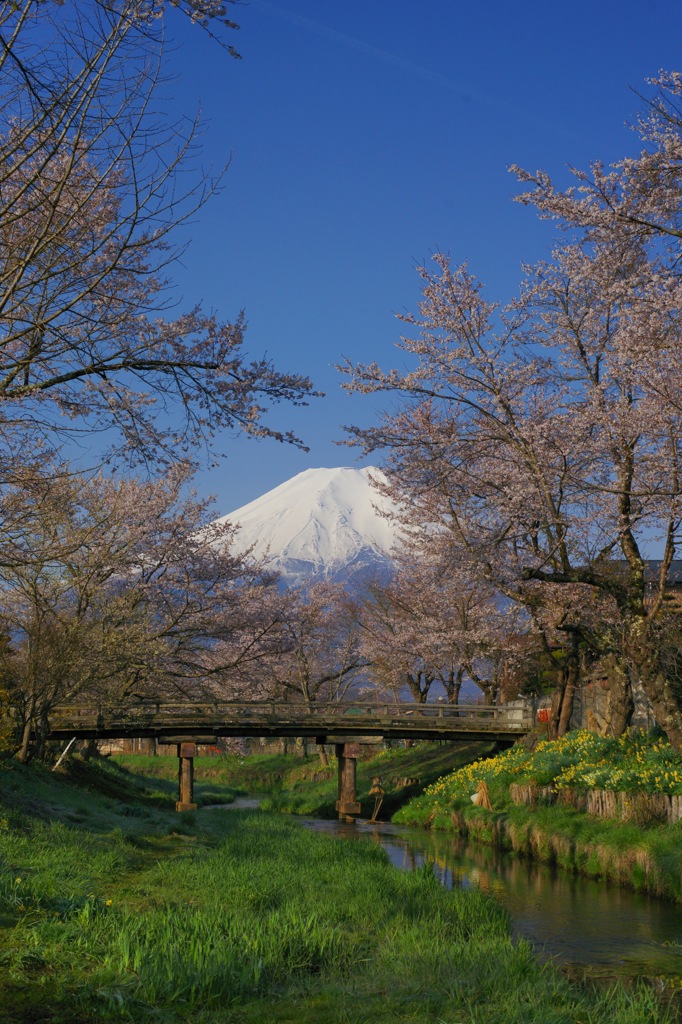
(89, 197)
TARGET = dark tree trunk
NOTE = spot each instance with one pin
(42, 732)
(489, 692)
(419, 684)
(556, 706)
(646, 658)
(324, 758)
(453, 685)
(572, 673)
(619, 700)
(89, 750)
(23, 754)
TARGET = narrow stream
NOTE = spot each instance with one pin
(593, 929)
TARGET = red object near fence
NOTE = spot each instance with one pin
(543, 715)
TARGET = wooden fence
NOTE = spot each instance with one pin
(641, 808)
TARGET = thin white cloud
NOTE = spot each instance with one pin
(464, 92)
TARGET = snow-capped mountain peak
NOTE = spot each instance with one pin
(321, 523)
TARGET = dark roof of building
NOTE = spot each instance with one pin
(674, 572)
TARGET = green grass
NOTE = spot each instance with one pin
(214, 777)
(115, 908)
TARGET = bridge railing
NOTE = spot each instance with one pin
(222, 710)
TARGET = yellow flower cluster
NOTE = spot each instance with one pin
(579, 760)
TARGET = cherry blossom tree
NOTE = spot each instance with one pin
(6, 720)
(121, 591)
(430, 624)
(544, 439)
(91, 189)
(626, 220)
(640, 195)
(389, 638)
(320, 656)
(114, 590)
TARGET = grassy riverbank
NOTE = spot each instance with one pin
(294, 785)
(643, 852)
(429, 785)
(113, 907)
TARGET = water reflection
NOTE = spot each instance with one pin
(603, 929)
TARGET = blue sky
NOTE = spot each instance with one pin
(363, 137)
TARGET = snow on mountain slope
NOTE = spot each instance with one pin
(321, 523)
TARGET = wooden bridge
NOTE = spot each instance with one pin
(343, 724)
(274, 718)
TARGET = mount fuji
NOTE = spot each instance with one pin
(321, 524)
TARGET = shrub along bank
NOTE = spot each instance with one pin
(114, 908)
(539, 799)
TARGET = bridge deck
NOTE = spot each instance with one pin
(323, 721)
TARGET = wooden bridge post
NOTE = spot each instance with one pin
(186, 755)
(346, 756)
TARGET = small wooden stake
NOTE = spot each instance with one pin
(64, 753)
